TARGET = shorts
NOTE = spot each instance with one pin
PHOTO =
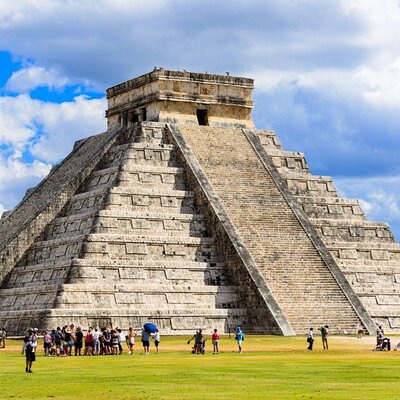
(88, 344)
(30, 356)
(215, 342)
(70, 343)
(239, 342)
(46, 345)
(156, 342)
(146, 343)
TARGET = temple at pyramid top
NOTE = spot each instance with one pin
(181, 97)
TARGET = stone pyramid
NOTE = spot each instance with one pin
(184, 214)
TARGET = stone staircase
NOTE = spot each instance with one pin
(365, 251)
(299, 279)
(130, 243)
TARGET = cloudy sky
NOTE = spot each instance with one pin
(327, 77)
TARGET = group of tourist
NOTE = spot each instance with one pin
(200, 341)
(69, 340)
(324, 330)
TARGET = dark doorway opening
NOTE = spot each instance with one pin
(202, 117)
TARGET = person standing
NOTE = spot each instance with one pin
(239, 336)
(198, 341)
(131, 340)
(146, 341)
(379, 335)
(96, 342)
(47, 343)
(78, 341)
(310, 339)
(324, 334)
(29, 348)
(3, 336)
(215, 341)
(89, 343)
(156, 337)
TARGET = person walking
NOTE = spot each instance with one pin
(310, 339)
(156, 338)
(215, 341)
(29, 348)
(239, 337)
(324, 335)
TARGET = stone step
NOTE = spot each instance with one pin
(369, 266)
(287, 161)
(75, 224)
(102, 177)
(365, 251)
(300, 184)
(268, 139)
(330, 207)
(156, 247)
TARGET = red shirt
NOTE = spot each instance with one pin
(215, 336)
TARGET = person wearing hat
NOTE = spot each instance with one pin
(29, 348)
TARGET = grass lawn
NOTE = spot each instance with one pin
(270, 368)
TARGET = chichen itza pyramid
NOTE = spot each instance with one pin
(184, 214)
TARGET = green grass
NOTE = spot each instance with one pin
(269, 368)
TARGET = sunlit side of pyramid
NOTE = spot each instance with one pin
(184, 214)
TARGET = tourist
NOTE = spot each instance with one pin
(310, 339)
(114, 341)
(121, 340)
(215, 341)
(89, 343)
(379, 335)
(29, 348)
(146, 341)
(156, 338)
(131, 340)
(58, 338)
(239, 337)
(68, 343)
(198, 341)
(47, 343)
(360, 332)
(78, 341)
(96, 342)
(107, 340)
(324, 334)
(3, 336)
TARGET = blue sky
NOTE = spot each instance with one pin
(327, 78)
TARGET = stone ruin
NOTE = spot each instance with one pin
(182, 213)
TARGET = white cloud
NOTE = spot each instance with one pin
(16, 176)
(379, 196)
(67, 122)
(27, 79)
(22, 119)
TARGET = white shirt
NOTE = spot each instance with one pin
(157, 336)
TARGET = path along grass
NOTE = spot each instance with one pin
(269, 368)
